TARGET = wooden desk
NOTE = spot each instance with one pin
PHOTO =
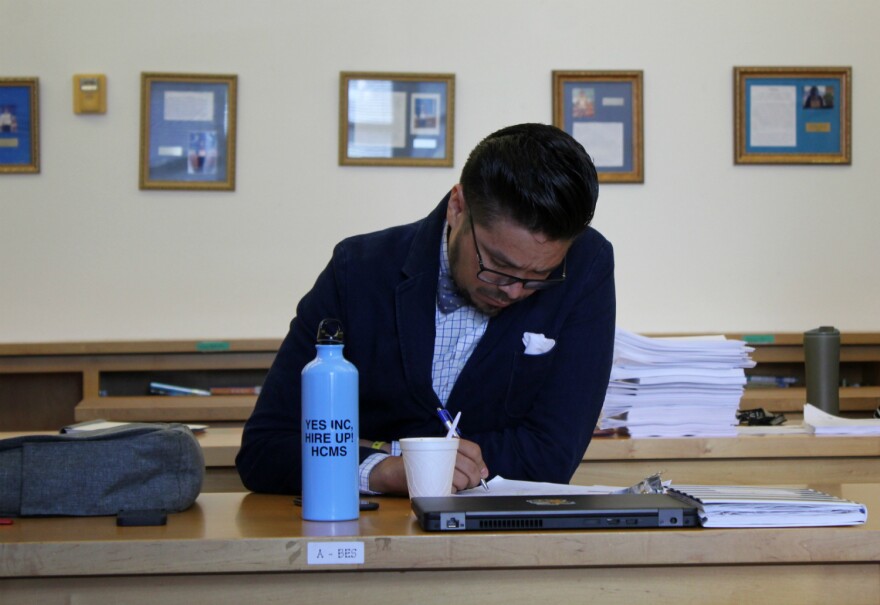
(757, 460)
(233, 548)
(44, 385)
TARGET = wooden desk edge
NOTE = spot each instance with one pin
(209, 345)
(225, 441)
(221, 444)
(392, 541)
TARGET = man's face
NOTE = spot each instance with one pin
(504, 246)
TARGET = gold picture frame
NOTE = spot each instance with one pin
(603, 111)
(19, 125)
(188, 129)
(792, 115)
(396, 119)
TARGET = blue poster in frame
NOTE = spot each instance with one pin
(396, 119)
(792, 115)
(19, 125)
(188, 125)
(602, 110)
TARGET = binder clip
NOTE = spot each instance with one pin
(759, 417)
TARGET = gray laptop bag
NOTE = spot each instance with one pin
(102, 472)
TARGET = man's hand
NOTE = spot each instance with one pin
(469, 466)
(389, 476)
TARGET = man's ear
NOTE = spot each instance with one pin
(456, 210)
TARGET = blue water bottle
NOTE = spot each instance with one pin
(330, 431)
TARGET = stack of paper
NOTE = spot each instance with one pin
(753, 506)
(675, 387)
(823, 423)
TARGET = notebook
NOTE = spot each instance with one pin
(583, 511)
(766, 506)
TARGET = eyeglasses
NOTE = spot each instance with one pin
(497, 278)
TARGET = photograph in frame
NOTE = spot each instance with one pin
(792, 115)
(19, 125)
(188, 126)
(602, 110)
(396, 119)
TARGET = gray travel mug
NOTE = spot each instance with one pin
(822, 356)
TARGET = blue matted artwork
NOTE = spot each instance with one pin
(396, 119)
(602, 110)
(188, 125)
(792, 115)
(19, 125)
(815, 103)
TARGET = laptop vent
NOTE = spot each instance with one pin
(511, 524)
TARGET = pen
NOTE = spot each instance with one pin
(446, 419)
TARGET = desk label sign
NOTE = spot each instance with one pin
(336, 553)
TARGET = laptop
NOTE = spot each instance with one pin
(585, 511)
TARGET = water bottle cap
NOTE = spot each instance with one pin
(330, 332)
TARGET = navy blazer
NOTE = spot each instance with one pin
(532, 415)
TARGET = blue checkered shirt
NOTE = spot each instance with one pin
(457, 334)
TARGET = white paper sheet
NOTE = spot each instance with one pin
(499, 486)
(764, 506)
(773, 116)
(603, 141)
(823, 423)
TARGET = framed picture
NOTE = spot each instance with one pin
(603, 111)
(792, 115)
(188, 131)
(19, 125)
(394, 119)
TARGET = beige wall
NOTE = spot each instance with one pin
(701, 245)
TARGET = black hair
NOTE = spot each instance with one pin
(534, 174)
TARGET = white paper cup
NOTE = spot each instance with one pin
(429, 464)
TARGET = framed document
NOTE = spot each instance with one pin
(393, 119)
(188, 131)
(19, 125)
(792, 115)
(603, 111)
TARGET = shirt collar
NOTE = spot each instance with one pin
(449, 298)
(444, 250)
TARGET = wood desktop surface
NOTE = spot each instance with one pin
(221, 443)
(747, 459)
(621, 461)
(234, 546)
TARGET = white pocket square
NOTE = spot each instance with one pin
(536, 344)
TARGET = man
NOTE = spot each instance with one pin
(525, 358)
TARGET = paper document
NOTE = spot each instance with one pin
(97, 425)
(779, 429)
(499, 486)
(675, 387)
(823, 423)
(761, 506)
